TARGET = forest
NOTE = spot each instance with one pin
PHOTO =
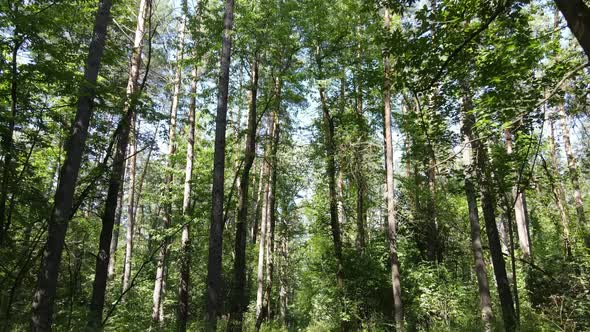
(294, 165)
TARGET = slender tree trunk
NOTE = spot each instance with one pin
(7, 138)
(284, 278)
(557, 188)
(44, 297)
(258, 206)
(214, 295)
(577, 15)
(159, 284)
(483, 174)
(520, 211)
(183, 292)
(361, 209)
(115, 239)
(270, 232)
(130, 209)
(264, 225)
(328, 124)
(239, 287)
(573, 171)
(118, 168)
(340, 188)
(391, 202)
(485, 301)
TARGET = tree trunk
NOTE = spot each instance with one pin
(264, 224)
(258, 206)
(328, 124)
(520, 211)
(476, 245)
(239, 287)
(7, 139)
(214, 295)
(391, 202)
(284, 277)
(483, 174)
(557, 188)
(573, 172)
(157, 309)
(44, 297)
(130, 209)
(115, 239)
(577, 15)
(270, 232)
(183, 292)
(118, 168)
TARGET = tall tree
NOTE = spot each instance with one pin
(485, 301)
(159, 284)
(183, 291)
(63, 200)
(239, 285)
(214, 295)
(118, 169)
(390, 188)
(488, 205)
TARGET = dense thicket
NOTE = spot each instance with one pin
(294, 165)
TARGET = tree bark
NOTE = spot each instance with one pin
(44, 297)
(483, 174)
(264, 225)
(130, 209)
(7, 138)
(485, 301)
(270, 232)
(239, 287)
(328, 127)
(115, 238)
(577, 15)
(391, 202)
(214, 295)
(118, 168)
(258, 204)
(183, 292)
(573, 171)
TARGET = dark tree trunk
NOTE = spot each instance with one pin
(7, 139)
(239, 287)
(118, 169)
(577, 15)
(47, 282)
(214, 295)
(476, 244)
(115, 239)
(488, 203)
(270, 232)
(183, 292)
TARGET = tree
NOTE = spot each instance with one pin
(214, 296)
(118, 169)
(44, 297)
